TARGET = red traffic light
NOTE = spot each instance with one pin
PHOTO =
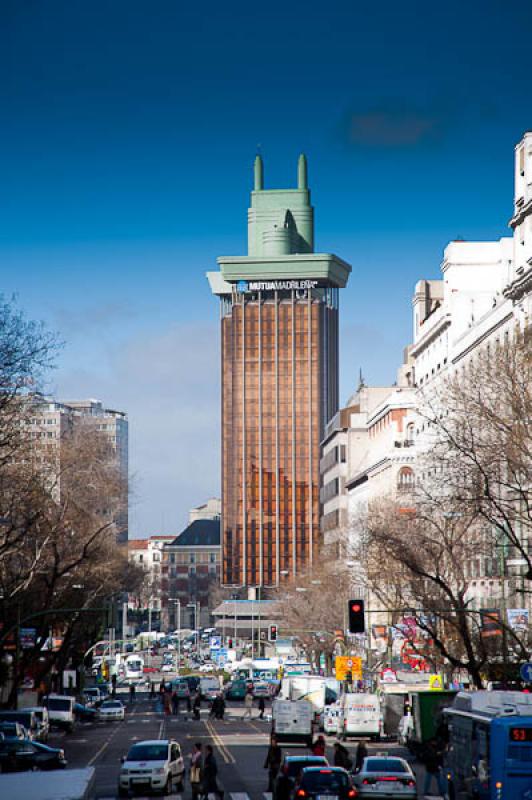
(356, 616)
(356, 606)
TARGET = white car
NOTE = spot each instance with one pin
(155, 764)
(111, 710)
(167, 668)
(207, 668)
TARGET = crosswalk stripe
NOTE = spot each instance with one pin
(267, 795)
(239, 795)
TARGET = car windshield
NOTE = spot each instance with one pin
(294, 767)
(54, 704)
(112, 704)
(324, 781)
(384, 765)
(148, 752)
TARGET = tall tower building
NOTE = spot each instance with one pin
(279, 333)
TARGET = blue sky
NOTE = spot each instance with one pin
(127, 136)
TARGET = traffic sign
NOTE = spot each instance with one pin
(526, 672)
(345, 664)
(216, 642)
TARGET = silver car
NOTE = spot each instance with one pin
(385, 777)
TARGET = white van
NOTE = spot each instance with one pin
(60, 710)
(359, 714)
(293, 721)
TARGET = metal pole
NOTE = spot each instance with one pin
(253, 630)
(260, 640)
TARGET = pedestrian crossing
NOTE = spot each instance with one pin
(231, 795)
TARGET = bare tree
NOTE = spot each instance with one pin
(480, 427)
(313, 608)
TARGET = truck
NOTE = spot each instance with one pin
(60, 710)
(293, 721)
(359, 714)
(425, 717)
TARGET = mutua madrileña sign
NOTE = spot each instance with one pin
(283, 285)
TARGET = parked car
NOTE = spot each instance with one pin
(152, 765)
(92, 696)
(331, 782)
(385, 776)
(292, 766)
(167, 668)
(21, 754)
(261, 689)
(180, 687)
(43, 723)
(26, 718)
(84, 713)
(111, 710)
(60, 710)
(13, 730)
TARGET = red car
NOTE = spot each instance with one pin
(150, 669)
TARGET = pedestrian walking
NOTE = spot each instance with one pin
(196, 770)
(341, 756)
(362, 752)
(213, 712)
(262, 707)
(318, 746)
(175, 703)
(248, 703)
(273, 762)
(210, 775)
(189, 704)
(197, 705)
(167, 703)
(131, 692)
(221, 707)
(432, 760)
(152, 690)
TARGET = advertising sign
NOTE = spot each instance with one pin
(345, 664)
(491, 623)
(282, 285)
(27, 638)
(518, 619)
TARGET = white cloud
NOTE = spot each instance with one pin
(168, 383)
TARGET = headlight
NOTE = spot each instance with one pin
(124, 771)
(158, 771)
(62, 754)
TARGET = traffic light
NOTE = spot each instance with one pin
(230, 643)
(356, 616)
(272, 633)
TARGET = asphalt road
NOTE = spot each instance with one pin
(240, 746)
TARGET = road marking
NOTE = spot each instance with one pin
(226, 754)
(239, 795)
(104, 746)
(267, 795)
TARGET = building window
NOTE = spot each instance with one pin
(212, 558)
(192, 570)
(192, 558)
(409, 441)
(405, 479)
(141, 557)
(172, 558)
(156, 557)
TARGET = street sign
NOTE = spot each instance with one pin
(526, 672)
(345, 664)
(216, 642)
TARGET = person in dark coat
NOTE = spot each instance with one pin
(196, 771)
(175, 703)
(221, 707)
(210, 773)
(362, 752)
(197, 706)
(262, 707)
(432, 759)
(272, 763)
(341, 756)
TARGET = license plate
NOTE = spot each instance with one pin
(327, 797)
(381, 786)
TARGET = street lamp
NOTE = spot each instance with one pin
(177, 601)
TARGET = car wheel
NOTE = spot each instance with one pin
(123, 792)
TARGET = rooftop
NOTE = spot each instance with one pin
(200, 533)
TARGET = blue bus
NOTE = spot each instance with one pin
(489, 753)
